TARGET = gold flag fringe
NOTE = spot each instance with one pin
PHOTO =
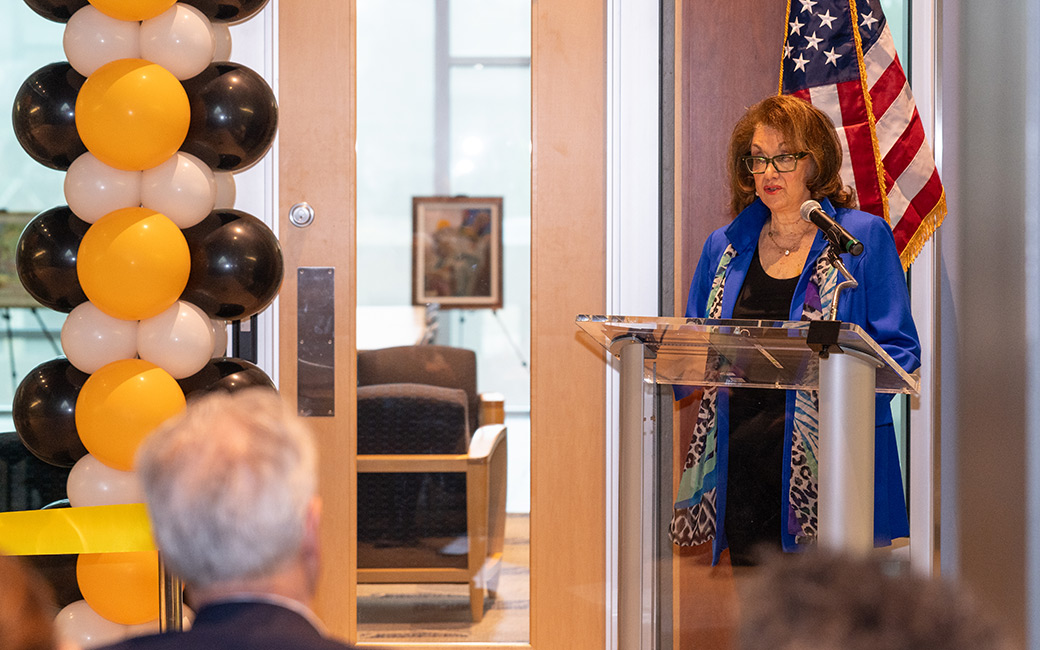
(780, 89)
(924, 232)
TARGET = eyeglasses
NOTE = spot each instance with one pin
(785, 162)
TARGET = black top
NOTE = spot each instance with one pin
(764, 297)
(754, 494)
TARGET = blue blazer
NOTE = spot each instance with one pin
(880, 305)
(239, 625)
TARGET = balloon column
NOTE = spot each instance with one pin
(150, 120)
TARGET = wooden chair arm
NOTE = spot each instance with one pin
(492, 408)
(485, 441)
(412, 463)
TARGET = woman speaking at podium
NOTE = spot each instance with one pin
(749, 478)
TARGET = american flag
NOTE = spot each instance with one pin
(839, 56)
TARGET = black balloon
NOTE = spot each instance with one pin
(44, 412)
(46, 258)
(57, 10)
(227, 374)
(234, 116)
(227, 11)
(236, 265)
(44, 115)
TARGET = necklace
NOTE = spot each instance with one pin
(785, 249)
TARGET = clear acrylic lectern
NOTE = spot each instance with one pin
(839, 360)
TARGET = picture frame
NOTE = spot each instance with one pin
(12, 293)
(457, 252)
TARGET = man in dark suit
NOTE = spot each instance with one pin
(231, 487)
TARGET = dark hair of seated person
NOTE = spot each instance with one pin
(828, 601)
(27, 608)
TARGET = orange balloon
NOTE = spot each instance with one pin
(121, 587)
(133, 263)
(132, 114)
(120, 404)
(132, 9)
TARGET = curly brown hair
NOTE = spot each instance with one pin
(805, 128)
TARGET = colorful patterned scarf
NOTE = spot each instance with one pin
(694, 520)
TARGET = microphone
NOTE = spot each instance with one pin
(832, 230)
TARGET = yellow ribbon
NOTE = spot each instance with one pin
(86, 529)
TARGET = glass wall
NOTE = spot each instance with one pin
(29, 335)
(443, 110)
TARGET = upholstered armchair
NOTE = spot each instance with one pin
(26, 482)
(431, 471)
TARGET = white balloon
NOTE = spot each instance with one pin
(179, 340)
(93, 483)
(91, 338)
(182, 188)
(225, 190)
(81, 626)
(92, 39)
(93, 189)
(220, 338)
(179, 39)
(222, 36)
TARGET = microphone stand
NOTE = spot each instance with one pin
(848, 283)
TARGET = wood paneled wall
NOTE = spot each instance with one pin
(568, 207)
(729, 55)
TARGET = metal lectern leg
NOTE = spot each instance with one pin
(846, 452)
(630, 505)
(171, 605)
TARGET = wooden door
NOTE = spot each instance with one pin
(316, 165)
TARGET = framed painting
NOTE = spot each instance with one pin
(457, 252)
